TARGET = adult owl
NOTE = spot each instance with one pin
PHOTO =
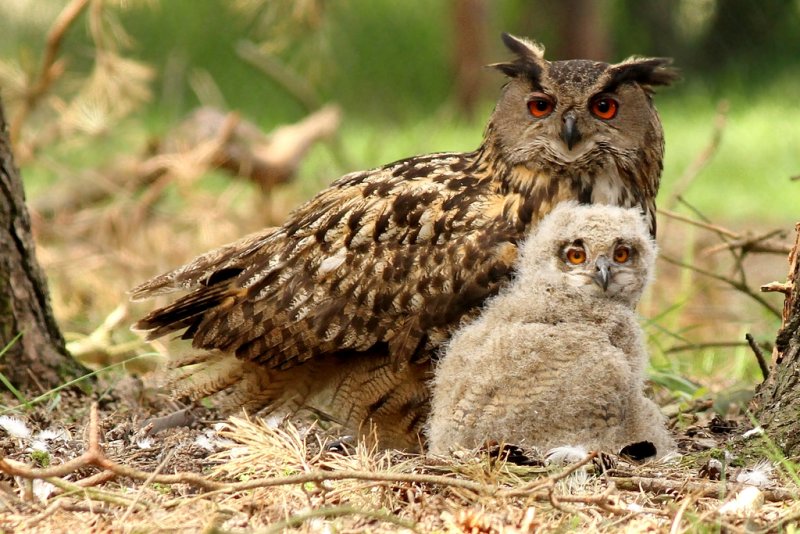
(557, 358)
(342, 308)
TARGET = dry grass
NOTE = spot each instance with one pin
(263, 479)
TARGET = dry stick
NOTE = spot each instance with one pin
(50, 510)
(537, 485)
(100, 478)
(60, 504)
(733, 283)
(700, 224)
(95, 456)
(556, 504)
(204, 153)
(758, 243)
(708, 345)
(762, 363)
(676, 521)
(147, 482)
(93, 493)
(738, 255)
(602, 500)
(704, 157)
(322, 476)
(51, 69)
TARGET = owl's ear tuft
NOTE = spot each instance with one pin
(529, 61)
(647, 72)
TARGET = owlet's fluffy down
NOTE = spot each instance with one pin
(557, 358)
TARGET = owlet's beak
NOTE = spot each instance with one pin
(569, 129)
(602, 274)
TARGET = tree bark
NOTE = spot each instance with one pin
(37, 359)
(777, 400)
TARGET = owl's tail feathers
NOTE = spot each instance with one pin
(211, 267)
(237, 384)
(186, 312)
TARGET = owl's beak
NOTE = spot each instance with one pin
(602, 274)
(569, 130)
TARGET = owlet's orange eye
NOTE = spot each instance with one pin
(622, 254)
(540, 105)
(576, 256)
(604, 108)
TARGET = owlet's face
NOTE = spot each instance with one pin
(611, 268)
(589, 252)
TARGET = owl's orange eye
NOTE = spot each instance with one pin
(604, 108)
(540, 105)
(622, 254)
(576, 256)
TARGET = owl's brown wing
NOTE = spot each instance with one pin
(394, 256)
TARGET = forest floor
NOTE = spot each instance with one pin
(104, 467)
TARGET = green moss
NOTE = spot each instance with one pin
(163, 489)
(41, 458)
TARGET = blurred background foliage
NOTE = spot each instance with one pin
(409, 79)
(408, 73)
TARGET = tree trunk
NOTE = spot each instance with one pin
(583, 30)
(469, 52)
(777, 401)
(37, 358)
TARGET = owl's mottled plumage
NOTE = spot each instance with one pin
(557, 358)
(383, 264)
